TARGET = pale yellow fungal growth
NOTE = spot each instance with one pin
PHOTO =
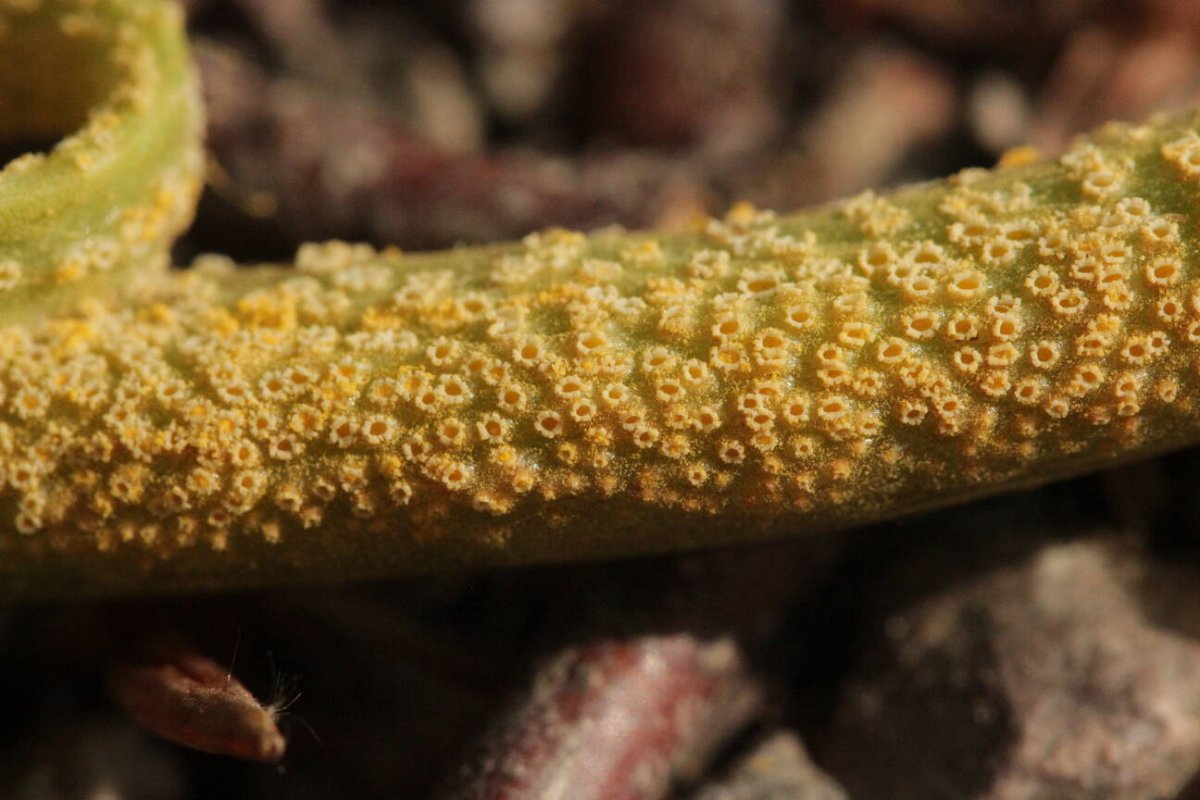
(109, 81)
(369, 412)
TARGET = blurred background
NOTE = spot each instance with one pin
(1040, 645)
(429, 123)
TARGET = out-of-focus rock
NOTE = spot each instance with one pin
(300, 32)
(1109, 73)
(91, 757)
(334, 168)
(653, 679)
(982, 25)
(1044, 679)
(777, 769)
(999, 112)
(380, 60)
(683, 72)
(889, 101)
(522, 45)
(615, 720)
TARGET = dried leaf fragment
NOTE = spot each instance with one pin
(189, 699)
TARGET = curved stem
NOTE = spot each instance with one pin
(367, 413)
(107, 202)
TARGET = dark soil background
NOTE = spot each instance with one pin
(1041, 645)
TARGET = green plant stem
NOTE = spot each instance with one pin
(369, 413)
